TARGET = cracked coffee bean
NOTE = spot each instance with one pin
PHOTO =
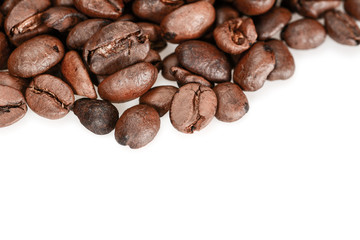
(192, 108)
(17, 83)
(184, 77)
(352, 7)
(12, 106)
(49, 97)
(98, 116)
(4, 51)
(251, 7)
(111, 9)
(169, 62)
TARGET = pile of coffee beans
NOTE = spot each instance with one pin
(107, 52)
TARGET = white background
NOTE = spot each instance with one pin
(290, 169)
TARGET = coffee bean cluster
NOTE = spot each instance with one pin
(52, 50)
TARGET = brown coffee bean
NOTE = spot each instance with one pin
(137, 126)
(12, 106)
(284, 61)
(190, 21)
(169, 62)
(192, 108)
(111, 9)
(7, 5)
(4, 51)
(49, 97)
(232, 102)
(304, 34)
(129, 83)
(311, 8)
(35, 56)
(17, 83)
(61, 18)
(251, 7)
(254, 67)
(65, 3)
(159, 98)
(184, 77)
(272, 22)
(352, 7)
(236, 35)
(157, 42)
(116, 46)
(98, 116)
(75, 73)
(154, 58)
(225, 13)
(342, 28)
(205, 60)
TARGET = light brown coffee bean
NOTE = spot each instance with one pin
(12, 106)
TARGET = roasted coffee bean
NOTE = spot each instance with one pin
(17, 83)
(352, 7)
(251, 7)
(184, 77)
(192, 108)
(65, 3)
(154, 58)
(116, 46)
(49, 97)
(205, 60)
(111, 9)
(98, 116)
(75, 73)
(169, 62)
(254, 67)
(232, 102)
(154, 10)
(4, 51)
(129, 83)
(137, 126)
(284, 61)
(272, 22)
(190, 21)
(157, 42)
(12, 106)
(342, 28)
(159, 98)
(61, 18)
(225, 13)
(83, 31)
(236, 35)
(35, 56)
(7, 5)
(304, 34)
(311, 8)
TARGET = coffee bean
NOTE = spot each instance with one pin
(157, 42)
(224, 13)
(7, 5)
(169, 62)
(129, 83)
(111, 9)
(17, 83)
(190, 21)
(184, 77)
(254, 67)
(154, 58)
(304, 34)
(75, 73)
(137, 126)
(98, 116)
(342, 28)
(61, 18)
(251, 7)
(311, 8)
(232, 102)
(116, 46)
(236, 35)
(192, 108)
(205, 60)
(49, 97)
(159, 98)
(352, 7)
(12, 106)
(4, 51)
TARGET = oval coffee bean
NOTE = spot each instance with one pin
(254, 67)
(35, 56)
(169, 62)
(352, 7)
(12, 106)
(129, 83)
(284, 61)
(311, 8)
(184, 77)
(253, 7)
(159, 98)
(61, 18)
(49, 97)
(4, 51)
(192, 108)
(304, 34)
(137, 126)
(111, 9)
(232, 102)
(18, 83)
(205, 60)
(116, 46)
(98, 116)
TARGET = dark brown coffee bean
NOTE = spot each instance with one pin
(184, 77)
(311, 8)
(205, 60)
(251, 7)
(159, 98)
(83, 31)
(157, 42)
(154, 58)
(190, 21)
(137, 126)
(342, 28)
(129, 83)
(35, 56)
(116, 46)
(236, 35)
(352, 7)
(111, 9)
(304, 34)
(17, 83)
(61, 18)
(65, 3)
(4, 51)
(49, 97)
(169, 62)
(12, 106)
(98, 116)
(284, 61)
(192, 108)
(75, 73)
(272, 22)
(224, 13)
(7, 5)
(254, 67)
(232, 102)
